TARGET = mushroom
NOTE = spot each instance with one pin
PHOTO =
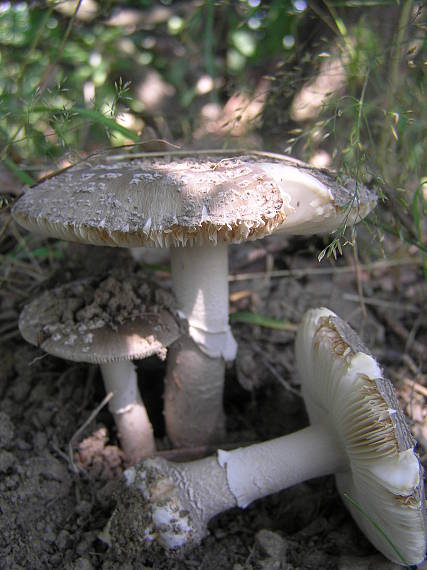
(358, 432)
(109, 321)
(196, 205)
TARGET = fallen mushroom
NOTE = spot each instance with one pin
(108, 321)
(196, 205)
(358, 432)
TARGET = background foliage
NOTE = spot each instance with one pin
(339, 83)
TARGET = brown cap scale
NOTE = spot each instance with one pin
(109, 321)
(196, 205)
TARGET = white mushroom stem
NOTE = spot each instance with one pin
(181, 498)
(200, 283)
(265, 468)
(133, 425)
(195, 371)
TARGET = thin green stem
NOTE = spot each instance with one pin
(393, 83)
(21, 174)
(45, 77)
(92, 114)
(418, 209)
(34, 44)
(377, 527)
(209, 41)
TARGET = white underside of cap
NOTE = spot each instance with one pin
(308, 203)
(399, 474)
(339, 381)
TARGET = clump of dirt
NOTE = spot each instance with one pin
(84, 306)
(100, 460)
(117, 316)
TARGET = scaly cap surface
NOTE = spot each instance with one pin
(179, 201)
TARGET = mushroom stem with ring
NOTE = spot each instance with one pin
(133, 425)
(195, 370)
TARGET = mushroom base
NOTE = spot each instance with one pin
(193, 395)
(159, 510)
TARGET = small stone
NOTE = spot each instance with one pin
(56, 560)
(7, 430)
(7, 460)
(86, 543)
(316, 559)
(83, 508)
(48, 534)
(315, 527)
(23, 445)
(270, 564)
(40, 441)
(375, 562)
(272, 544)
(63, 540)
(105, 495)
(7, 405)
(352, 563)
(6, 368)
(82, 564)
(12, 481)
(378, 562)
(20, 389)
(44, 415)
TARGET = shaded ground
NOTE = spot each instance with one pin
(54, 501)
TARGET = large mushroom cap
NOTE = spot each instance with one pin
(383, 485)
(101, 320)
(175, 200)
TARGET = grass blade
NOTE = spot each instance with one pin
(21, 174)
(377, 527)
(262, 321)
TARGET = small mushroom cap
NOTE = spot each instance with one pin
(178, 201)
(383, 485)
(100, 320)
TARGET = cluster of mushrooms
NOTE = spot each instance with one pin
(197, 205)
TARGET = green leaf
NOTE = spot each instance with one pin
(21, 174)
(262, 321)
(47, 252)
